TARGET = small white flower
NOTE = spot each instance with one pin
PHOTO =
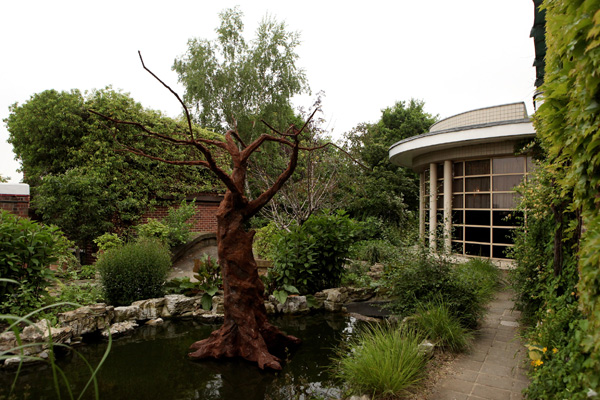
(591, 393)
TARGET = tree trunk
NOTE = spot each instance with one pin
(246, 331)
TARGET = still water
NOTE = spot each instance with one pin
(152, 364)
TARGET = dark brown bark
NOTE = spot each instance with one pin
(246, 331)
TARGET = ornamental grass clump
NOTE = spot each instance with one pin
(135, 271)
(435, 321)
(382, 360)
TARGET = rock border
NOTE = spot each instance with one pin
(108, 320)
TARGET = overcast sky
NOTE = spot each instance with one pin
(365, 55)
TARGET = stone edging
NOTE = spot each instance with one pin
(109, 320)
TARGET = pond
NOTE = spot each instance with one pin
(151, 364)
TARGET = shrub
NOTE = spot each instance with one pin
(441, 327)
(420, 277)
(174, 229)
(108, 241)
(265, 241)
(26, 251)
(134, 271)
(383, 360)
(482, 275)
(310, 257)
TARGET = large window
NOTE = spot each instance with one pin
(483, 202)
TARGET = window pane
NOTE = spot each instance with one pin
(477, 234)
(507, 218)
(457, 247)
(477, 249)
(500, 252)
(530, 165)
(457, 233)
(477, 184)
(457, 217)
(457, 201)
(440, 171)
(440, 187)
(479, 167)
(505, 200)
(503, 235)
(457, 185)
(477, 217)
(507, 182)
(458, 169)
(477, 200)
(508, 165)
(440, 201)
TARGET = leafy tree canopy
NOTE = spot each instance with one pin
(383, 190)
(80, 179)
(228, 78)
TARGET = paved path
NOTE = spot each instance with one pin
(493, 369)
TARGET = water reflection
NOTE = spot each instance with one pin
(152, 364)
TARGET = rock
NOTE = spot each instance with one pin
(361, 317)
(120, 328)
(376, 271)
(363, 397)
(294, 305)
(155, 322)
(150, 309)
(359, 294)
(87, 319)
(217, 305)
(336, 295)
(271, 309)
(426, 347)
(8, 341)
(178, 304)
(126, 313)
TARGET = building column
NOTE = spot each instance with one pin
(422, 207)
(432, 206)
(448, 206)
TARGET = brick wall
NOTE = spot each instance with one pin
(204, 220)
(15, 198)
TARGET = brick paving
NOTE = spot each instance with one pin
(494, 368)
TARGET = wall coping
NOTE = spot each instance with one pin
(19, 189)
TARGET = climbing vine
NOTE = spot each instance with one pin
(568, 125)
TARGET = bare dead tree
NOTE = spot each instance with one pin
(246, 331)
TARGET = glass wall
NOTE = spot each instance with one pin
(483, 202)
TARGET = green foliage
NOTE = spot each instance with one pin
(265, 240)
(153, 228)
(26, 251)
(355, 275)
(228, 78)
(421, 277)
(382, 360)
(15, 321)
(135, 271)
(208, 273)
(182, 285)
(383, 190)
(441, 327)
(82, 294)
(108, 241)
(310, 257)
(78, 180)
(568, 124)
(174, 229)
(482, 275)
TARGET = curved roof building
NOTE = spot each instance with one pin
(468, 170)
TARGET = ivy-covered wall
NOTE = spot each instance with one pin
(568, 125)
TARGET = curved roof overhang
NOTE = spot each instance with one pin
(404, 152)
